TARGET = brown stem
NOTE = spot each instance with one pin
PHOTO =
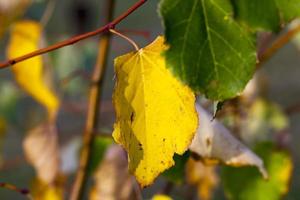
(74, 74)
(75, 39)
(48, 12)
(278, 44)
(93, 110)
(94, 98)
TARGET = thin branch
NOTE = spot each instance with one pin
(93, 107)
(48, 12)
(278, 44)
(74, 74)
(75, 39)
(24, 192)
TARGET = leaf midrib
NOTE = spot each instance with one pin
(209, 38)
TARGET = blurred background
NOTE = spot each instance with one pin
(71, 68)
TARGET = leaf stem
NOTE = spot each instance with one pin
(126, 38)
(75, 39)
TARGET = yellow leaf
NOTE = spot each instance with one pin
(202, 176)
(25, 38)
(155, 112)
(52, 194)
(43, 191)
(161, 197)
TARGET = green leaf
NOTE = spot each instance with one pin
(176, 173)
(279, 167)
(208, 50)
(266, 14)
(289, 9)
(99, 147)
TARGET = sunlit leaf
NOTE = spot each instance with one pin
(155, 112)
(25, 37)
(214, 141)
(161, 197)
(279, 166)
(42, 151)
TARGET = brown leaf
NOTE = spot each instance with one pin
(42, 151)
(214, 141)
(112, 180)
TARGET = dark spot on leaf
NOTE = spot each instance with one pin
(208, 142)
(132, 117)
(140, 147)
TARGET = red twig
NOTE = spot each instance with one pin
(24, 192)
(110, 25)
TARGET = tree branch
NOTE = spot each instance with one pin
(75, 39)
(278, 44)
(94, 99)
(24, 192)
(93, 110)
